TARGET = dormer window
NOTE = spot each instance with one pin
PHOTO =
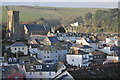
(38, 66)
(47, 42)
(32, 68)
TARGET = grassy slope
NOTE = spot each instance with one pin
(30, 14)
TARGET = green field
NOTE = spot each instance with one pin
(31, 13)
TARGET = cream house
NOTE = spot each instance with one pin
(19, 47)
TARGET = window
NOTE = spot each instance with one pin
(40, 73)
(30, 73)
(15, 48)
(72, 60)
(44, 56)
(47, 52)
(19, 48)
(22, 48)
(47, 42)
(56, 61)
(49, 73)
(38, 66)
(47, 56)
(16, 77)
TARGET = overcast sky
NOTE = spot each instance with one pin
(65, 3)
(60, 0)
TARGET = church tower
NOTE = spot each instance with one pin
(13, 27)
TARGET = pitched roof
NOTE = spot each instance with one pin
(35, 27)
(53, 47)
(34, 45)
(18, 44)
(91, 39)
(85, 46)
(9, 70)
(53, 39)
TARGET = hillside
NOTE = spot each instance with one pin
(31, 13)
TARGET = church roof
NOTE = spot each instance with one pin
(35, 27)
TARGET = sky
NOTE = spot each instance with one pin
(65, 3)
(59, 0)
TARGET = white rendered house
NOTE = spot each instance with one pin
(80, 58)
(19, 47)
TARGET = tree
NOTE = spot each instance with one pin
(19, 53)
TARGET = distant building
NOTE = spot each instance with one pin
(36, 39)
(34, 29)
(114, 57)
(90, 41)
(98, 57)
(11, 72)
(51, 41)
(79, 58)
(63, 74)
(14, 30)
(112, 41)
(75, 24)
(19, 47)
(85, 48)
(50, 53)
(40, 71)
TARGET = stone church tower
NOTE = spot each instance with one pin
(13, 26)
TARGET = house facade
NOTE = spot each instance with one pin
(19, 47)
(52, 53)
(90, 41)
(40, 71)
(79, 58)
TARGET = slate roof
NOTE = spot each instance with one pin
(80, 46)
(115, 48)
(85, 46)
(82, 52)
(91, 39)
(53, 47)
(44, 67)
(98, 53)
(34, 45)
(18, 44)
(9, 70)
(53, 39)
(35, 27)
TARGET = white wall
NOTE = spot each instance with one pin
(22, 49)
(113, 58)
(106, 50)
(53, 55)
(40, 74)
(87, 49)
(77, 60)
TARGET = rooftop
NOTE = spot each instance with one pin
(54, 39)
(52, 47)
(98, 53)
(91, 39)
(35, 27)
(18, 44)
